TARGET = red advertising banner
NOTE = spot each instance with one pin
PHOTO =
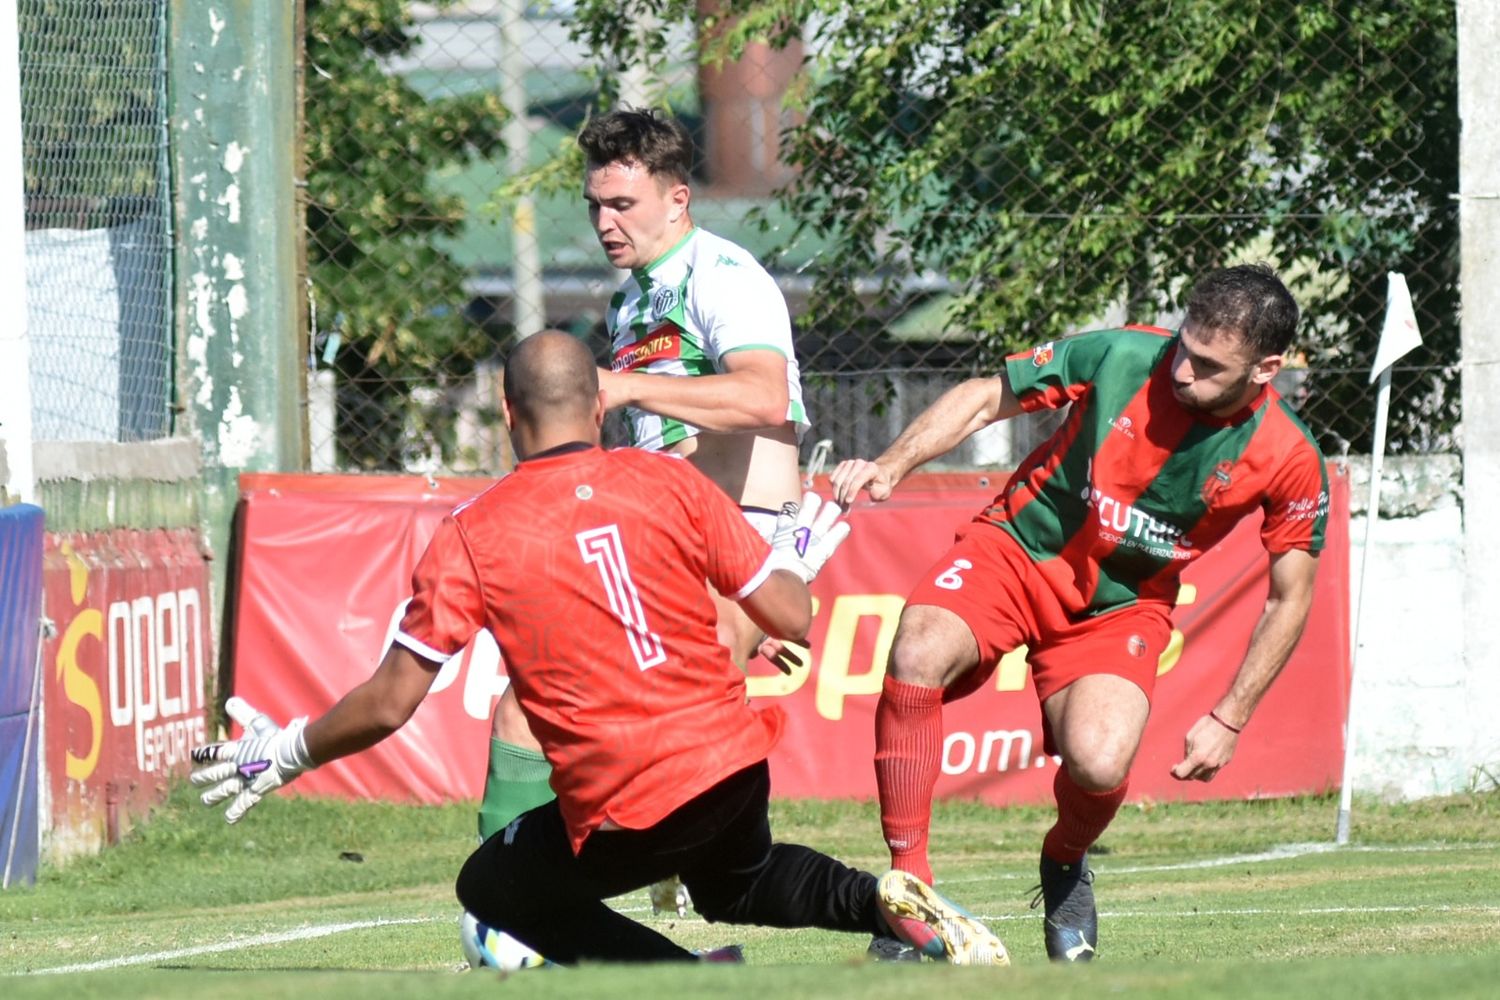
(993, 738)
(325, 567)
(125, 675)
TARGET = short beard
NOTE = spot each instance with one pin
(1224, 399)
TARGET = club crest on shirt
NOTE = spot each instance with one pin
(1218, 481)
(663, 300)
(1041, 354)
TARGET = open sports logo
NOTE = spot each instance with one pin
(662, 343)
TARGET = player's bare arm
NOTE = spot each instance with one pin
(781, 606)
(756, 465)
(375, 709)
(265, 757)
(1211, 742)
(749, 395)
(959, 412)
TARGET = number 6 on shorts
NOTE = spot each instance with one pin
(949, 579)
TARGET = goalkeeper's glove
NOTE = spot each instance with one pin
(807, 535)
(245, 770)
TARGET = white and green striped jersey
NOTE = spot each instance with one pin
(701, 300)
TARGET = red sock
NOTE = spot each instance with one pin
(1081, 817)
(908, 758)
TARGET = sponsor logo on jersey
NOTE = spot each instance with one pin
(662, 343)
(1041, 354)
(1307, 508)
(663, 300)
(1136, 646)
(727, 260)
(1127, 526)
(1218, 481)
(1124, 425)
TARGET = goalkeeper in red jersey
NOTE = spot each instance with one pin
(592, 570)
(701, 360)
(1172, 437)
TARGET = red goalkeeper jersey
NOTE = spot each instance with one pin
(589, 567)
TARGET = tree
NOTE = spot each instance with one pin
(1055, 159)
(380, 280)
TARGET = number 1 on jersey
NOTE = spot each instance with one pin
(602, 549)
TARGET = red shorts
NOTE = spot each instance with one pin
(990, 582)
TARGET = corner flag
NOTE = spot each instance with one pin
(1398, 338)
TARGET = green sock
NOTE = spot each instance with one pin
(516, 782)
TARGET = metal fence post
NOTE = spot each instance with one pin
(240, 369)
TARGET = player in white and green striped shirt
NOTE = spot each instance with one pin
(702, 361)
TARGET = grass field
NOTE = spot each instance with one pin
(330, 899)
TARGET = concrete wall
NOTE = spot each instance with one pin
(1413, 734)
(1479, 227)
(100, 485)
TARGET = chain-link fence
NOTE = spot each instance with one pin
(932, 183)
(98, 210)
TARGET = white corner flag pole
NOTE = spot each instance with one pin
(1398, 337)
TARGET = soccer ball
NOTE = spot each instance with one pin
(670, 896)
(487, 948)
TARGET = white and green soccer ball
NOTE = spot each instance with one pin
(486, 948)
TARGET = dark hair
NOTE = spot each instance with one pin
(640, 135)
(1251, 299)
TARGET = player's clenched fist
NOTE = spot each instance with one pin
(855, 474)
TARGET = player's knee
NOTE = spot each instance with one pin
(716, 905)
(473, 890)
(506, 731)
(509, 725)
(480, 889)
(916, 658)
(1098, 772)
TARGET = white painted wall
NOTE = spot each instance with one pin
(1410, 733)
(1414, 733)
(1479, 227)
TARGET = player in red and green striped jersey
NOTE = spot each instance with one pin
(1171, 439)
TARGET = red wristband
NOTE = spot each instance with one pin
(1215, 716)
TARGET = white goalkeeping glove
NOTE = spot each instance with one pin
(266, 757)
(807, 535)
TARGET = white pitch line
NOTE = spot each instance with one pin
(280, 937)
(1275, 854)
(1262, 911)
(1283, 853)
(1287, 851)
